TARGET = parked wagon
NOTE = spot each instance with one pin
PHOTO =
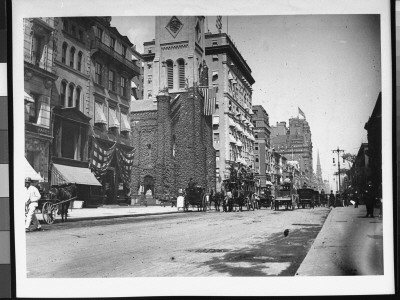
(306, 198)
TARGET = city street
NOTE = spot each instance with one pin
(248, 243)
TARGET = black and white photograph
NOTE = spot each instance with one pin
(214, 148)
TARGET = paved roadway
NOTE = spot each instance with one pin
(248, 243)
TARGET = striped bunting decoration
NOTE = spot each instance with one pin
(210, 99)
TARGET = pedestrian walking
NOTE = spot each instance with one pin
(332, 199)
(356, 199)
(31, 202)
(369, 201)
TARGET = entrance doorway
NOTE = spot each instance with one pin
(148, 184)
(109, 186)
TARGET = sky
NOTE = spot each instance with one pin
(329, 66)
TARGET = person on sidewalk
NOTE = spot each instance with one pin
(369, 201)
(332, 200)
(31, 202)
(356, 199)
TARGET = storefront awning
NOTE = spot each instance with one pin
(239, 143)
(113, 121)
(232, 139)
(125, 126)
(30, 172)
(231, 122)
(62, 174)
(28, 98)
(99, 116)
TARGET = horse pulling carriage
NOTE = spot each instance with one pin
(239, 187)
(265, 197)
(195, 196)
(57, 202)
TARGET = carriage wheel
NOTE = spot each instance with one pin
(48, 212)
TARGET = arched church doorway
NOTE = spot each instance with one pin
(148, 183)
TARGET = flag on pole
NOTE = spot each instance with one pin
(218, 23)
(301, 112)
(210, 98)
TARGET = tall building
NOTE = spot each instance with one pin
(84, 109)
(295, 143)
(171, 131)
(374, 135)
(39, 79)
(231, 76)
(262, 150)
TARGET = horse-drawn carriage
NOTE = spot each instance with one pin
(306, 198)
(265, 197)
(239, 187)
(195, 196)
(285, 196)
(56, 202)
(317, 201)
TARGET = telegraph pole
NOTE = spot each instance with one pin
(338, 153)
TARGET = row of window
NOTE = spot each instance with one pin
(73, 30)
(112, 80)
(113, 42)
(70, 95)
(75, 60)
(180, 68)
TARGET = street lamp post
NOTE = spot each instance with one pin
(338, 152)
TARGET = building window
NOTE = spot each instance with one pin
(214, 43)
(80, 57)
(216, 137)
(112, 43)
(73, 30)
(111, 80)
(170, 74)
(181, 72)
(33, 109)
(71, 57)
(217, 155)
(149, 79)
(98, 78)
(149, 94)
(63, 93)
(215, 76)
(123, 86)
(124, 51)
(65, 25)
(257, 160)
(70, 95)
(99, 33)
(78, 98)
(80, 35)
(215, 57)
(64, 53)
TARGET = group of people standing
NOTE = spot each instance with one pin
(368, 198)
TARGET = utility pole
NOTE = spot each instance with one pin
(338, 153)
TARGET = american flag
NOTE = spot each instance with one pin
(210, 99)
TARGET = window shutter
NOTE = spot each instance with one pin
(170, 75)
(181, 71)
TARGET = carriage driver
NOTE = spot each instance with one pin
(31, 202)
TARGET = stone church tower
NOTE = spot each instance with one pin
(170, 120)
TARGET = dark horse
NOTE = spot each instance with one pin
(218, 199)
(60, 194)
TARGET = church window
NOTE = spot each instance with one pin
(80, 61)
(198, 33)
(181, 72)
(170, 74)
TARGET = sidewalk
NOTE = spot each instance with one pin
(115, 211)
(348, 244)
